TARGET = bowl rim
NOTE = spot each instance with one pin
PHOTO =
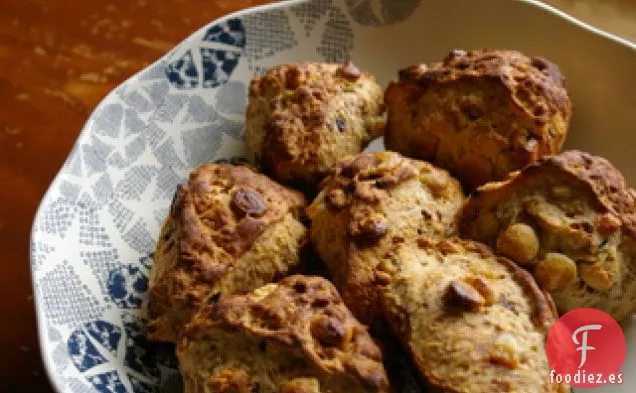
(564, 15)
(52, 377)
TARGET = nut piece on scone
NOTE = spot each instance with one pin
(571, 220)
(480, 114)
(472, 322)
(370, 203)
(295, 336)
(229, 231)
(301, 118)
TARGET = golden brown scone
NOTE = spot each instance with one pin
(295, 336)
(571, 220)
(230, 230)
(472, 322)
(480, 114)
(370, 203)
(303, 117)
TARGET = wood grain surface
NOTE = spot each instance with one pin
(59, 59)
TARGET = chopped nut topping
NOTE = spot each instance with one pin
(504, 351)
(247, 201)
(349, 71)
(602, 274)
(370, 228)
(483, 288)
(463, 296)
(329, 331)
(413, 72)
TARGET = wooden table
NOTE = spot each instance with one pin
(59, 59)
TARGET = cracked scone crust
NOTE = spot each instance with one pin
(229, 230)
(295, 336)
(472, 322)
(479, 114)
(370, 203)
(301, 118)
(571, 220)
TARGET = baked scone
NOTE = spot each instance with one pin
(295, 336)
(480, 114)
(571, 220)
(230, 230)
(472, 322)
(303, 117)
(370, 203)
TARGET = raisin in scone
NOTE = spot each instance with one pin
(370, 203)
(571, 220)
(301, 118)
(295, 336)
(479, 114)
(472, 322)
(229, 230)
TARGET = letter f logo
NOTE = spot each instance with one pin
(583, 345)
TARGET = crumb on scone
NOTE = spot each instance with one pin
(579, 229)
(303, 117)
(295, 336)
(472, 322)
(229, 230)
(480, 114)
(368, 204)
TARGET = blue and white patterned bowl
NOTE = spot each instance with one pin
(94, 233)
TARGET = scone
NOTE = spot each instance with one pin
(472, 322)
(301, 118)
(295, 336)
(480, 114)
(369, 204)
(571, 220)
(230, 230)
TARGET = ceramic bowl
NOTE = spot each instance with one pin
(94, 234)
